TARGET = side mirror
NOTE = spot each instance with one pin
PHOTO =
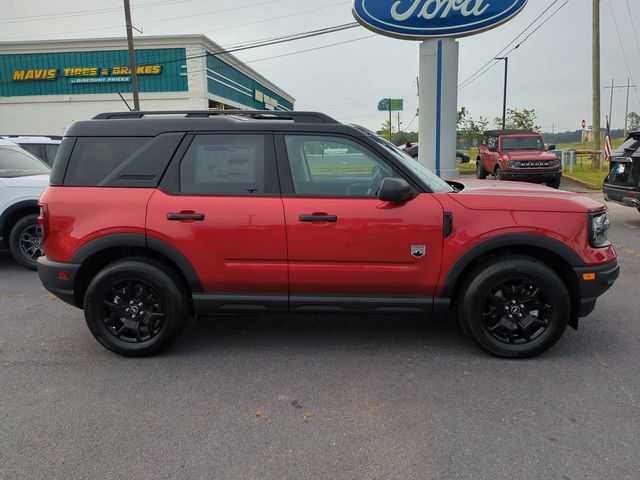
(395, 190)
(551, 147)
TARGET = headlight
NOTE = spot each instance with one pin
(599, 229)
(556, 163)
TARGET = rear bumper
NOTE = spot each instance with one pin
(603, 278)
(628, 198)
(58, 278)
(531, 177)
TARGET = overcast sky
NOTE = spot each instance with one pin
(550, 72)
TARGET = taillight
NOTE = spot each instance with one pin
(43, 220)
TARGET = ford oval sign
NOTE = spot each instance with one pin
(420, 19)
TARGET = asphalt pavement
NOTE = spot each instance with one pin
(327, 397)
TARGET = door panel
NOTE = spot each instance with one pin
(367, 250)
(222, 209)
(239, 246)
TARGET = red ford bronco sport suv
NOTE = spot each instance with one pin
(152, 218)
(518, 155)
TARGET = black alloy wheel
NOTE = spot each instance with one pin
(136, 307)
(25, 241)
(134, 311)
(516, 311)
(514, 306)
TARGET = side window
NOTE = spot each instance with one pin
(33, 148)
(334, 166)
(51, 149)
(224, 165)
(94, 158)
(492, 143)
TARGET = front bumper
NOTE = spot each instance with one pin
(593, 282)
(531, 177)
(58, 278)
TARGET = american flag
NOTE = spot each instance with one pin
(608, 151)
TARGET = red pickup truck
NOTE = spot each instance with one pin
(519, 156)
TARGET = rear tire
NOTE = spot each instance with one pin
(481, 173)
(134, 308)
(25, 241)
(514, 307)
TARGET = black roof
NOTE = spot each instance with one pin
(131, 124)
(497, 133)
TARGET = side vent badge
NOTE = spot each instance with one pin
(418, 251)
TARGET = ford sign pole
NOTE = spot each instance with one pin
(436, 24)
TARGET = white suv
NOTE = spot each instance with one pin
(23, 178)
(45, 148)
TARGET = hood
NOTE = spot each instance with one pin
(29, 181)
(493, 195)
(534, 155)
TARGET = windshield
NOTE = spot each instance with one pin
(430, 179)
(522, 143)
(16, 162)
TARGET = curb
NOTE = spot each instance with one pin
(588, 185)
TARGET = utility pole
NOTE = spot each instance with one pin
(596, 80)
(399, 123)
(390, 120)
(628, 87)
(613, 85)
(504, 103)
(132, 56)
(626, 110)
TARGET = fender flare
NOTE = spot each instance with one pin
(504, 241)
(14, 208)
(150, 243)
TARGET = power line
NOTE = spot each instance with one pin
(513, 41)
(624, 53)
(189, 16)
(633, 24)
(480, 73)
(242, 47)
(82, 13)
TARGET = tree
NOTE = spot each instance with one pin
(462, 116)
(634, 121)
(520, 120)
(384, 132)
(469, 128)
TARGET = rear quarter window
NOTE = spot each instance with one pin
(94, 158)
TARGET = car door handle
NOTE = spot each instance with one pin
(319, 217)
(186, 216)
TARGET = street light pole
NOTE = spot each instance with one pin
(132, 56)
(506, 78)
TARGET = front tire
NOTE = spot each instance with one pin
(514, 307)
(25, 241)
(555, 183)
(135, 308)
(498, 174)
(481, 173)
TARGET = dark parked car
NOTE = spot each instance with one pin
(412, 150)
(622, 185)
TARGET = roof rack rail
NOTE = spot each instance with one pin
(296, 117)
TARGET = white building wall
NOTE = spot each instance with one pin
(51, 115)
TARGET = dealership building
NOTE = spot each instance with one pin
(46, 85)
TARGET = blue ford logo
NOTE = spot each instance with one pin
(420, 19)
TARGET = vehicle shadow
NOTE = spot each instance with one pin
(321, 332)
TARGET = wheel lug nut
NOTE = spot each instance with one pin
(510, 316)
(521, 306)
(140, 304)
(506, 308)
